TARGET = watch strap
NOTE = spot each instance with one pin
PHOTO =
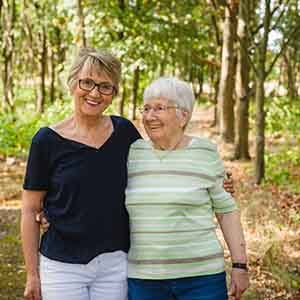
(237, 265)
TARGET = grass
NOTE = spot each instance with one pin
(12, 273)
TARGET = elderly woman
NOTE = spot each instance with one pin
(77, 170)
(174, 190)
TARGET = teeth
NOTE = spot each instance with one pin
(92, 102)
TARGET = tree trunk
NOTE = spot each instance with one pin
(162, 68)
(81, 25)
(198, 86)
(42, 80)
(8, 21)
(241, 150)
(28, 31)
(1, 4)
(260, 129)
(136, 79)
(123, 98)
(215, 81)
(52, 76)
(226, 88)
(260, 97)
(292, 90)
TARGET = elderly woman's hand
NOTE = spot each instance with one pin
(239, 283)
(228, 183)
(41, 219)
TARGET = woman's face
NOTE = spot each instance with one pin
(161, 120)
(93, 102)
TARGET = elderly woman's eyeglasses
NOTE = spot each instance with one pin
(159, 109)
(104, 88)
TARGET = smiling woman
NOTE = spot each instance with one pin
(77, 171)
(174, 190)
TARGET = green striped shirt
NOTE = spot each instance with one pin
(171, 199)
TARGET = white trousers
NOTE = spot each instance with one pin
(103, 278)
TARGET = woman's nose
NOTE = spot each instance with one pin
(150, 115)
(95, 92)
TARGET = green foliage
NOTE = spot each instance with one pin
(17, 129)
(282, 167)
(283, 115)
(283, 157)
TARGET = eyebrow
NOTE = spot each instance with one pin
(95, 81)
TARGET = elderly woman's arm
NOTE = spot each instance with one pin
(30, 233)
(233, 234)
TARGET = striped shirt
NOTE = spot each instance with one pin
(171, 199)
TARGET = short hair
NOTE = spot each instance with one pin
(173, 89)
(100, 61)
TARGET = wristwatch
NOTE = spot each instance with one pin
(237, 265)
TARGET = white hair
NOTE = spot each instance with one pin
(173, 89)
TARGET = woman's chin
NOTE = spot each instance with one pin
(155, 136)
(91, 112)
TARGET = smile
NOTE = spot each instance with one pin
(92, 102)
(154, 126)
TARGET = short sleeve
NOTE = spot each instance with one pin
(37, 174)
(133, 133)
(222, 202)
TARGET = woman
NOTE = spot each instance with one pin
(77, 170)
(174, 190)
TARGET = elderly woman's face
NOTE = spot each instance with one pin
(93, 92)
(161, 120)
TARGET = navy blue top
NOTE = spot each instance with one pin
(85, 195)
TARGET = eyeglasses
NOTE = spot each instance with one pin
(104, 88)
(159, 109)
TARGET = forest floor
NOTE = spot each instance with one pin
(270, 217)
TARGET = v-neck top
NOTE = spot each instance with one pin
(85, 195)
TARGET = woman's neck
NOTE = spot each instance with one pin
(84, 125)
(88, 122)
(175, 142)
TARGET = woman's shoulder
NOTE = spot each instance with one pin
(62, 126)
(121, 120)
(125, 128)
(141, 144)
(42, 135)
(50, 132)
(203, 143)
(206, 152)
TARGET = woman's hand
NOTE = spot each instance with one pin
(239, 283)
(228, 183)
(41, 219)
(33, 288)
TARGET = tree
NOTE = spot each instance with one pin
(8, 22)
(226, 87)
(242, 85)
(273, 14)
(81, 25)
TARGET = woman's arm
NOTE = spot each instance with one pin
(233, 234)
(30, 234)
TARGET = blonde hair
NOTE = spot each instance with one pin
(101, 61)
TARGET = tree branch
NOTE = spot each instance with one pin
(283, 46)
(247, 55)
(278, 20)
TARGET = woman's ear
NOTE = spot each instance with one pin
(184, 118)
